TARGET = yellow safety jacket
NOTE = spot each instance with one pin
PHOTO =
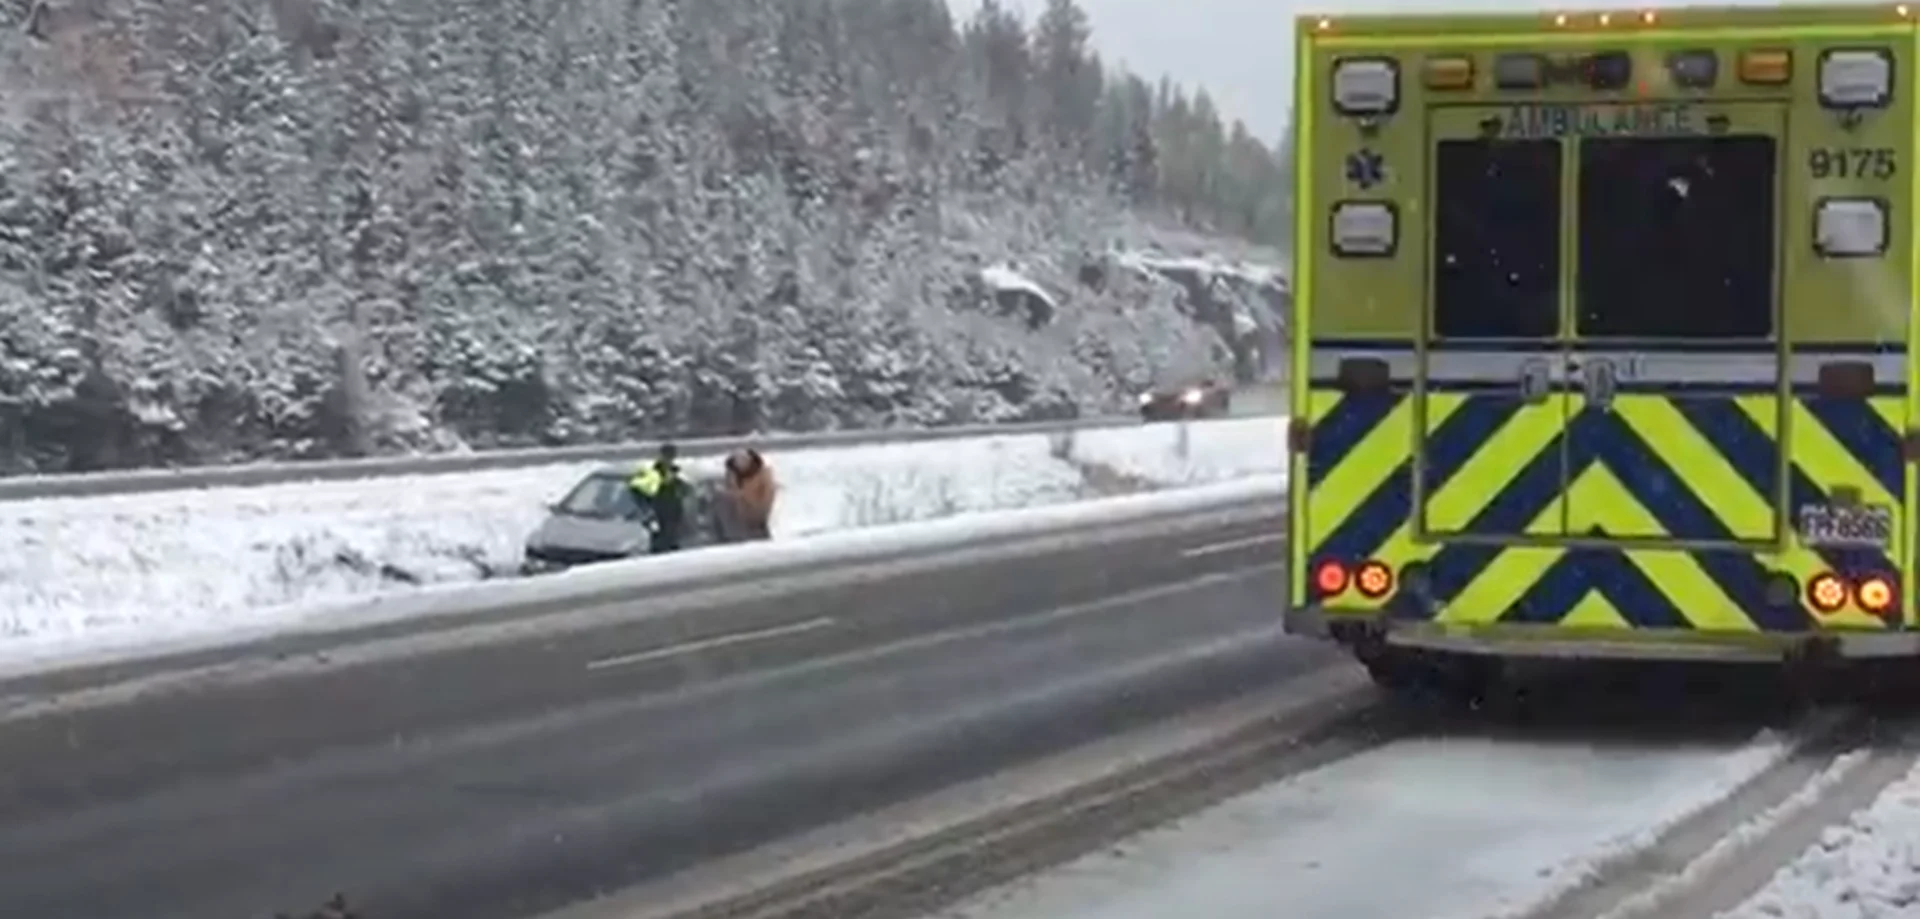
(647, 481)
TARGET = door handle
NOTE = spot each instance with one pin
(1536, 381)
(1601, 382)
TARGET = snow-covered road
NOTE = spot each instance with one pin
(80, 572)
(1541, 818)
(1438, 828)
(1866, 866)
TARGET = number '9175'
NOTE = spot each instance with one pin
(1852, 163)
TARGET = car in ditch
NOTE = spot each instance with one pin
(599, 520)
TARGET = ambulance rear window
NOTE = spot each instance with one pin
(1496, 250)
(1677, 237)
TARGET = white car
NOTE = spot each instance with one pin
(599, 520)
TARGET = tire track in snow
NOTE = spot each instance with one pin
(1473, 815)
(945, 863)
(1721, 856)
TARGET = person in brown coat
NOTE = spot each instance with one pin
(747, 498)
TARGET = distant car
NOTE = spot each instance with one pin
(1206, 399)
(599, 521)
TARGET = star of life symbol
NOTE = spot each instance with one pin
(1366, 168)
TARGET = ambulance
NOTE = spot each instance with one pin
(1602, 323)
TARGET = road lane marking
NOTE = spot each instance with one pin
(1214, 548)
(707, 644)
(928, 641)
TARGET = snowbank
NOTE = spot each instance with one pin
(1002, 279)
(1264, 275)
(78, 570)
(1867, 869)
(1211, 452)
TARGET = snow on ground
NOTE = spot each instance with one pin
(825, 490)
(1866, 869)
(1212, 452)
(1439, 829)
(77, 571)
(1003, 279)
(1246, 271)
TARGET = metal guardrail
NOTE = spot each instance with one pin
(139, 481)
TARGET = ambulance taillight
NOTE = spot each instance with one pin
(1330, 578)
(1876, 595)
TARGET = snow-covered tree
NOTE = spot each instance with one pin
(322, 227)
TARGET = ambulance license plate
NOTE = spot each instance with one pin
(1857, 525)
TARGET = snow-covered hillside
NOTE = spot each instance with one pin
(305, 228)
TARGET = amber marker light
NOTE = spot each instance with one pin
(1448, 72)
(1374, 579)
(1826, 592)
(1766, 68)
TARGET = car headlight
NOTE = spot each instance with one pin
(1852, 78)
(1364, 229)
(1192, 396)
(1850, 227)
(1146, 398)
(1366, 86)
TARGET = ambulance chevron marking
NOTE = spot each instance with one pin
(1658, 423)
(1645, 589)
(1347, 423)
(1513, 435)
(1739, 435)
(1862, 435)
(1683, 467)
(1459, 427)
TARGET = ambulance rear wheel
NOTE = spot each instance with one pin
(1393, 674)
(1401, 671)
(1407, 673)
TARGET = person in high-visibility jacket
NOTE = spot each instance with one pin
(660, 488)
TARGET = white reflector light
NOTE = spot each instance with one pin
(1363, 228)
(1366, 86)
(1856, 78)
(1850, 227)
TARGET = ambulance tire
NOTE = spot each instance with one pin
(1803, 684)
(1451, 679)
(1393, 672)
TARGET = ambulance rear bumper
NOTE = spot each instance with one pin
(1553, 642)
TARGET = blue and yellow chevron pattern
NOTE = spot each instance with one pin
(1672, 511)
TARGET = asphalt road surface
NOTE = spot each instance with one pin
(513, 777)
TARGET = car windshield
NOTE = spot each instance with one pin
(602, 494)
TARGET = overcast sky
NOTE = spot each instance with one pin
(1240, 50)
